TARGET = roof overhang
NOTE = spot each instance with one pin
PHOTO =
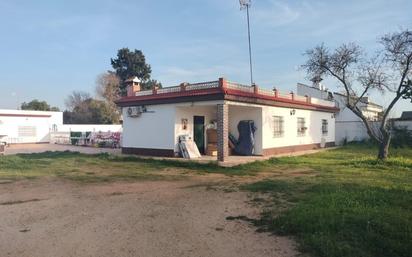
(25, 115)
(221, 94)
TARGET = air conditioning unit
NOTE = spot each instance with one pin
(135, 111)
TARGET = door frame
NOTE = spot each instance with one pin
(202, 149)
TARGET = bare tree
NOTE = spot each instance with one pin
(76, 99)
(389, 71)
(108, 88)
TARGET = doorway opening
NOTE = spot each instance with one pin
(199, 132)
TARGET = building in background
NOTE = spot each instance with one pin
(18, 126)
(22, 126)
(349, 127)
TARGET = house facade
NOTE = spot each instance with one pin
(20, 126)
(154, 119)
(349, 127)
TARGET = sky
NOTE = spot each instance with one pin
(48, 48)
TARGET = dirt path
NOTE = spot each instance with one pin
(179, 218)
(39, 148)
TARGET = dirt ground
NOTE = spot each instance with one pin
(39, 148)
(230, 161)
(51, 217)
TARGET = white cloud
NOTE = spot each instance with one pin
(276, 14)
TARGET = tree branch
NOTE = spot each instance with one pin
(405, 72)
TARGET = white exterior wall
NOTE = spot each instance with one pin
(404, 123)
(350, 131)
(370, 111)
(263, 118)
(153, 129)
(161, 129)
(349, 127)
(356, 130)
(313, 121)
(304, 90)
(9, 125)
(187, 111)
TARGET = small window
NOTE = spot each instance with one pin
(277, 126)
(301, 127)
(26, 131)
(324, 127)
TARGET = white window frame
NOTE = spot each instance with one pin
(301, 126)
(325, 127)
(27, 131)
(278, 126)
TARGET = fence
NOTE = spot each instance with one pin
(90, 127)
(95, 139)
(356, 131)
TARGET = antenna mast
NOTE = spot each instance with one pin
(245, 4)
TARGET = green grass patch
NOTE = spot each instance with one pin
(354, 206)
(80, 167)
(103, 167)
(336, 203)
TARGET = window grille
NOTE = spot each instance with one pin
(26, 131)
(301, 127)
(324, 127)
(278, 126)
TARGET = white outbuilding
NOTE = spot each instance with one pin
(23, 127)
(20, 127)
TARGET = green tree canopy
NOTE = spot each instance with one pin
(36, 105)
(128, 64)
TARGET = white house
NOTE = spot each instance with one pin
(17, 126)
(21, 126)
(349, 127)
(208, 112)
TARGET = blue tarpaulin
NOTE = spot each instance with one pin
(245, 145)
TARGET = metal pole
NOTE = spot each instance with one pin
(250, 48)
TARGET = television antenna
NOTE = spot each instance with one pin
(245, 4)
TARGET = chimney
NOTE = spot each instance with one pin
(132, 86)
(317, 82)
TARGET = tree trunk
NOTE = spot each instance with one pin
(384, 148)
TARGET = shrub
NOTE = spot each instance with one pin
(402, 137)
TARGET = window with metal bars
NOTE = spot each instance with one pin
(278, 126)
(324, 127)
(26, 131)
(301, 126)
